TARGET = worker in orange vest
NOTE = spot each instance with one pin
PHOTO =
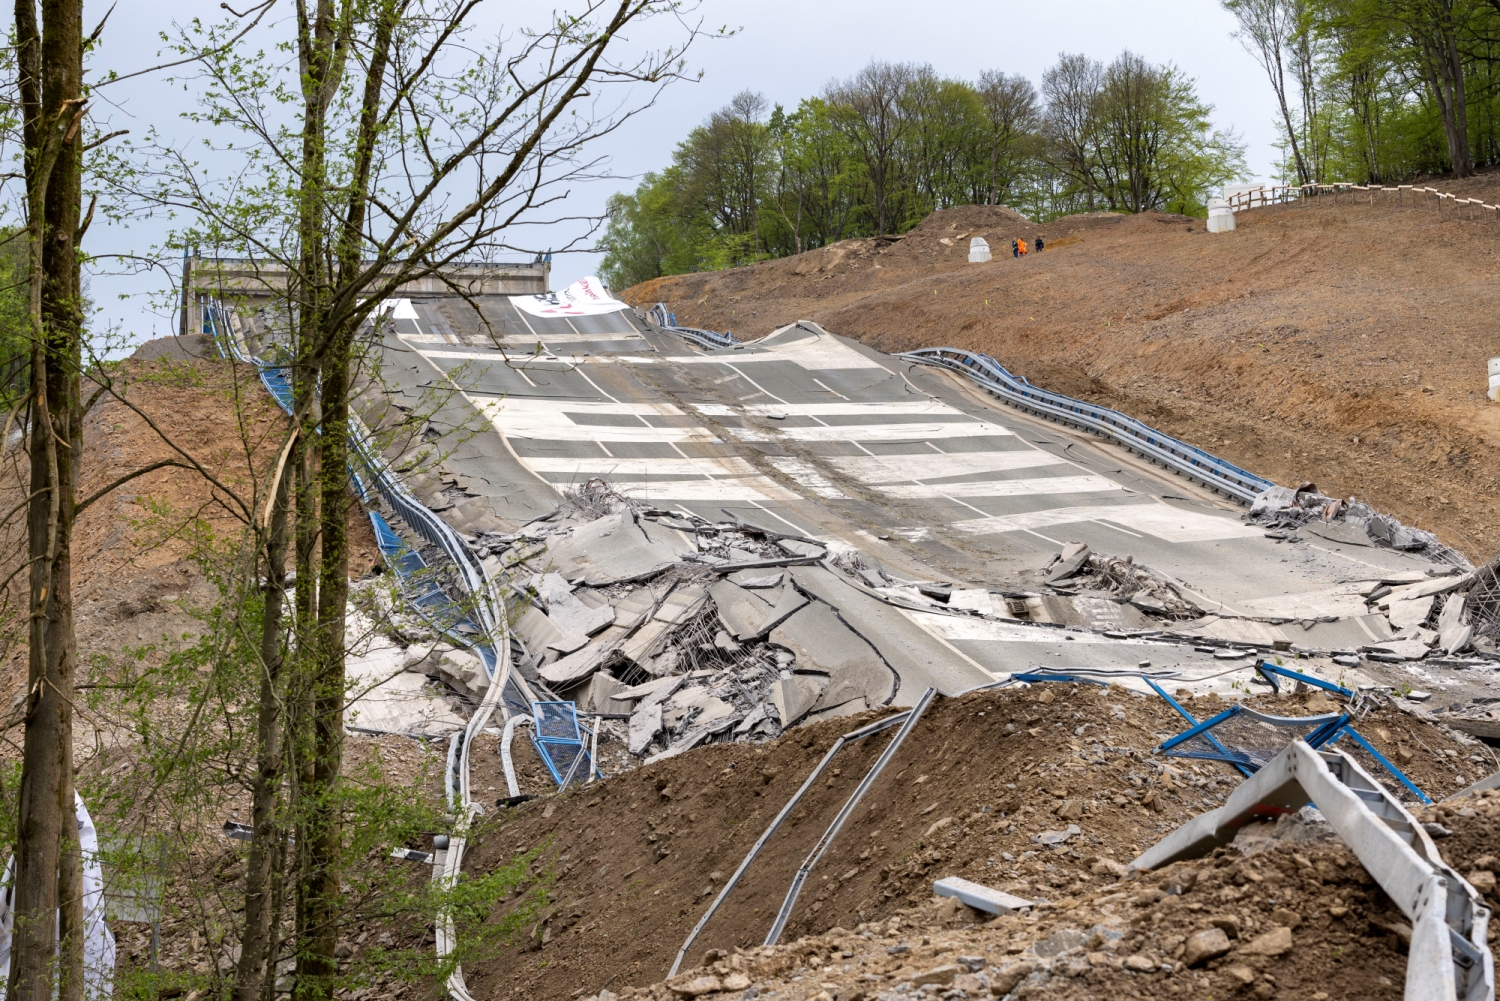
(1022, 245)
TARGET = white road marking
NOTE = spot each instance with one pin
(938, 465)
(806, 475)
(1029, 487)
(1168, 523)
(729, 465)
(872, 432)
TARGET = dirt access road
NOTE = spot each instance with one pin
(1343, 343)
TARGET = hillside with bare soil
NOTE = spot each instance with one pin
(1341, 342)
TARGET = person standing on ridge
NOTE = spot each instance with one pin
(1022, 244)
(1015, 248)
(1039, 245)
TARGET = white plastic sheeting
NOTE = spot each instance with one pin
(98, 941)
(585, 297)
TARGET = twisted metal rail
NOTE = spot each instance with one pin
(487, 604)
(1178, 456)
(667, 320)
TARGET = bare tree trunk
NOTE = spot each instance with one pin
(255, 952)
(48, 880)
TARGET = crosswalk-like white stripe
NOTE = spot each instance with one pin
(1165, 522)
(1030, 487)
(873, 432)
(806, 475)
(552, 465)
(932, 408)
(937, 465)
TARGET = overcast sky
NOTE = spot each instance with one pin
(786, 49)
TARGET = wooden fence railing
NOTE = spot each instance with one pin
(1415, 195)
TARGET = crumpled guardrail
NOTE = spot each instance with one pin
(395, 493)
(666, 320)
(1180, 457)
(447, 870)
(1449, 958)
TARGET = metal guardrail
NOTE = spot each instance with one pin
(1449, 958)
(385, 481)
(1176, 455)
(666, 320)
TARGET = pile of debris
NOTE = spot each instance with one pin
(1349, 521)
(689, 630)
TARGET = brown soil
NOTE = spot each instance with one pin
(139, 559)
(1340, 342)
(637, 858)
(1302, 919)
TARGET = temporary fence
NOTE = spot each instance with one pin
(559, 741)
(1162, 449)
(1415, 195)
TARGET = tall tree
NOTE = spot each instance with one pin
(48, 865)
(867, 108)
(1071, 89)
(1268, 29)
(1013, 118)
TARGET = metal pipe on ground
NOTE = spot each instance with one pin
(760, 843)
(838, 822)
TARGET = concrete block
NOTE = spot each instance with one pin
(980, 897)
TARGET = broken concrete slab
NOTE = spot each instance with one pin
(645, 724)
(849, 708)
(794, 696)
(1455, 638)
(755, 716)
(682, 604)
(787, 602)
(651, 691)
(688, 701)
(575, 667)
(1405, 649)
(631, 610)
(797, 547)
(567, 612)
(598, 695)
(610, 550)
(1346, 532)
(821, 642)
(1095, 612)
(741, 612)
(919, 658)
(977, 599)
(539, 633)
(1343, 634)
(645, 642)
(980, 897)
(1231, 630)
(1075, 556)
(1406, 613)
(756, 578)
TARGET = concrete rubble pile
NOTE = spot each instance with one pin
(686, 631)
(1352, 522)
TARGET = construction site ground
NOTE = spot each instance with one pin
(632, 862)
(1342, 341)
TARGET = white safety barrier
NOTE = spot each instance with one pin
(1449, 957)
(1494, 391)
(979, 250)
(1220, 216)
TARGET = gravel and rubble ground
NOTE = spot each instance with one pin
(1285, 911)
(635, 859)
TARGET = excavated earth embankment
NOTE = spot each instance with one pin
(1340, 341)
(632, 862)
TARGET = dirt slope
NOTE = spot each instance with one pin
(637, 858)
(1344, 342)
